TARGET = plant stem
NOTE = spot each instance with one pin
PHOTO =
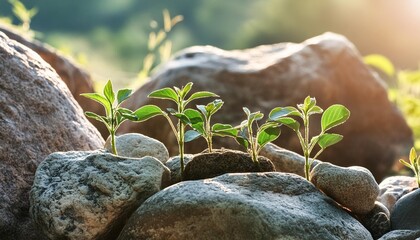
(113, 145)
(181, 148)
(306, 150)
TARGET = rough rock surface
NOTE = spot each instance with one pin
(353, 187)
(401, 235)
(38, 116)
(285, 160)
(90, 195)
(406, 213)
(174, 166)
(377, 220)
(327, 67)
(137, 145)
(242, 206)
(77, 80)
(393, 188)
(221, 161)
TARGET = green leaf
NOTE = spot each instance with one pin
(243, 142)
(309, 103)
(182, 117)
(280, 112)
(191, 135)
(127, 114)
(290, 123)
(165, 93)
(255, 116)
(247, 112)
(98, 98)
(97, 117)
(224, 130)
(185, 90)
(413, 156)
(268, 134)
(123, 94)
(380, 62)
(334, 116)
(198, 95)
(214, 106)
(406, 163)
(315, 110)
(329, 139)
(109, 93)
(146, 112)
(203, 110)
(196, 120)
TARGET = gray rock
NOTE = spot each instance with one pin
(401, 235)
(90, 195)
(393, 188)
(242, 206)
(38, 116)
(285, 160)
(221, 161)
(377, 220)
(327, 67)
(174, 166)
(135, 145)
(353, 187)
(406, 213)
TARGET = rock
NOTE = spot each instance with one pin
(77, 80)
(401, 235)
(135, 145)
(221, 161)
(377, 220)
(174, 166)
(393, 188)
(90, 195)
(38, 116)
(285, 160)
(406, 213)
(327, 67)
(353, 187)
(242, 206)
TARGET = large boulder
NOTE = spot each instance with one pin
(38, 116)
(242, 206)
(90, 195)
(327, 67)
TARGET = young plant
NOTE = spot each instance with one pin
(115, 115)
(244, 133)
(332, 117)
(414, 164)
(185, 116)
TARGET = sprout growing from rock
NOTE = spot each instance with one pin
(414, 164)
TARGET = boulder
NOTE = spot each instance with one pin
(77, 80)
(377, 220)
(174, 166)
(354, 188)
(38, 116)
(135, 145)
(242, 206)
(327, 67)
(285, 160)
(221, 161)
(393, 188)
(90, 195)
(406, 213)
(401, 235)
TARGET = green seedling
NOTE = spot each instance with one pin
(200, 122)
(414, 164)
(115, 115)
(334, 115)
(244, 133)
(185, 116)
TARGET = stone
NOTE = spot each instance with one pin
(242, 206)
(406, 213)
(354, 187)
(393, 188)
(135, 145)
(174, 166)
(401, 235)
(91, 194)
(221, 161)
(38, 116)
(77, 79)
(377, 220)
(285, 160)
(327, 67)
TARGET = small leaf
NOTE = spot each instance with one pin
(98, 98)
(123, 94)
(203, 110)
(196, 121)
(315, 110)
(127, 114)
(198, 95)
(405, 163)
(413, 156)
(191, 135)
(185, 90)
(279, 112)
(243, 142)
(268, 134)
(290, 123)
(146, 112)
(247, 112)
(164, 93)
(214, 106)
(334, 116)
(97, 117)
(182, 117)
(309, 103)
(224, 130)
(329, 139)
(109, 93)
